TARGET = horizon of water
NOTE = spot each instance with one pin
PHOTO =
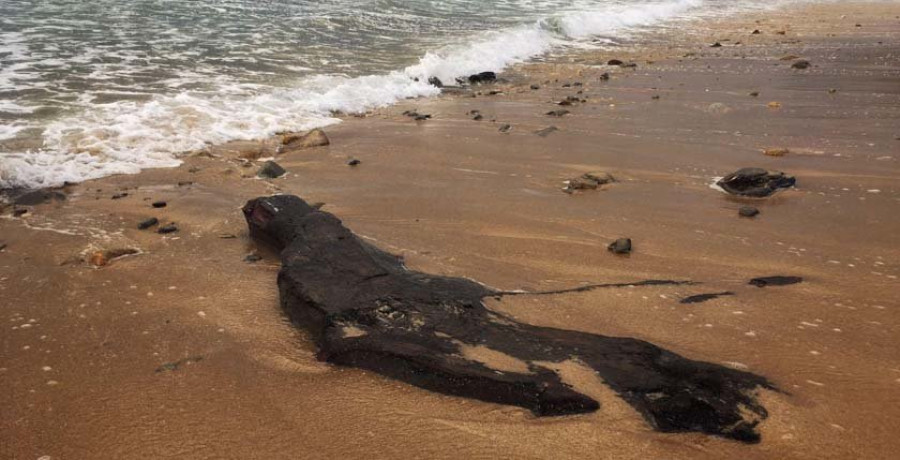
(115, 86)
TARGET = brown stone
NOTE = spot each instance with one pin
(776, 152)
(295, 141)
(103, 257)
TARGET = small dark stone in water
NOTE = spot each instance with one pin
(252, 258)
(2, 246)
(494, 92)
(121, 195)
(546, 131)
(478, 117)
(578, 83)
(567, 85)
(505, 128)
(604, 76)
(535, 87)
(557, 113)
(748, 211)
(755, 182)
(436, 82)
(755, 32)
(185, 183)
(620, 246)
(483, 77)
(716, 45)
(614, 62)
(171, 228)
(801, 65)
(159, 204)
(655, 97)
(145, 224)
(353, 162)
(422, 117)
(271, 170)
(704, 297)
(775, 281)
(754, 94)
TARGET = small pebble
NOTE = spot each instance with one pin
(159, 204)
(171, 228)
(748, 211)
(353, 162)
(145, 224)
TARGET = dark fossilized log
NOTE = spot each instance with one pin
(365, 309)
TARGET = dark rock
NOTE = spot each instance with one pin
(655, 97)
(775, 281)
(252, 258)
(353, 162)
(494, 92)
(422, 117)
(363, 308)
(755, 182)
(535, 87)
(620, 246)
(159, 204)
(37, 197)
(716, 45)
(483, 77)
(170, 228)
(748, 211)
(629, 65)
(614, 62)
(2, 247)
(436, 82)
(145, 224)
(604, 76)
(557, 113)
(505, 128)
(577, 84)
(755, 32)
(19, 212)
(546, 131)
(185, 183)
(119, 196)
(800, 65)
(271, 170)
(478, 117)
(589, 181)
(704, 297)
(754, 94)
(567, 85)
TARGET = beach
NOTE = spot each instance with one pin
(180, 349)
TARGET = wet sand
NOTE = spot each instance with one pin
(182, 350)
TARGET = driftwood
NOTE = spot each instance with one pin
(364, 309)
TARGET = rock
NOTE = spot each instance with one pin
(832, 91)
(353, 162)
(775, 281)
(478, 117)
(505, 128)
(774, 105)
(604, 76)
(755, 32)
(546, 131)
(704, 297)
(423, 117)
(436, 82)
(755, 182)
(159, 204)
(2, 246)
(185, 183)
(589, 181)
(170, 228)
(145, 224)
(557, 113)
(754, 94)
(655, 97)
(800, 65)
(780, 32)
(19, 212)
(620, 246)
(293, 141)
(104, 257)
(173, 366)
(119, 196)
(483, 77)
(629, 65)
(227, 236)
(363, 308)
(252, 258)
(776, 152)
(716, 45)
(37, 197)
(535, 87)
(271, 170)
(614, 62)
(748, 211)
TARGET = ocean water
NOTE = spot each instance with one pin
(100, 87)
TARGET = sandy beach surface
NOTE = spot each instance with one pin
(181, 350)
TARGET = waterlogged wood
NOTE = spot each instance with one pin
(364, 309)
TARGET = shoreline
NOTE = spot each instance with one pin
(457, 197)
